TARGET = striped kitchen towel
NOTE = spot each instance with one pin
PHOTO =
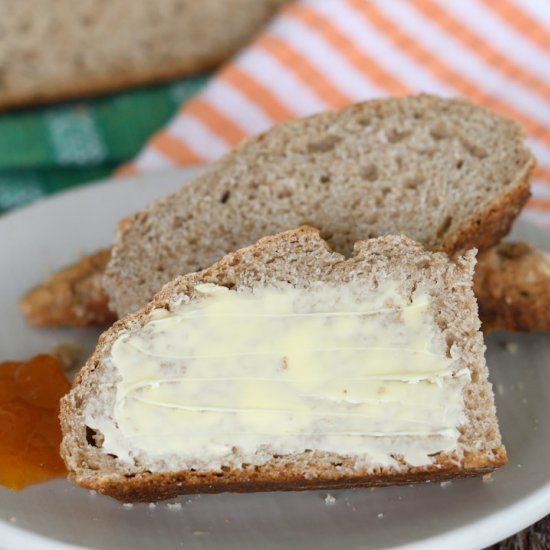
(323, 54)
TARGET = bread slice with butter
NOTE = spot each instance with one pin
(444, 172)
(286, 366)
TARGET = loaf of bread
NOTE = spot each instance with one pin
(286, 366)
(56, 49)
(444, 172)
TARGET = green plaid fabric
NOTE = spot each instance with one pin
(46, 149)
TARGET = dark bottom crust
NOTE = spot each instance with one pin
(150, 487)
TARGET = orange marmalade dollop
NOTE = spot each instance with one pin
(30, 433)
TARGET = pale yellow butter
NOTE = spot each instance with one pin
(330, 368)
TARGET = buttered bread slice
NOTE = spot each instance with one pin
(287, 366)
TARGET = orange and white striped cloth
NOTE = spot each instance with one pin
(323, 54)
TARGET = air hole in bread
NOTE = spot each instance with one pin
(423, 264)
(370, 172)
(449, 340)
(439, 132)
(394, 135)
(323, 146)
(324, 179)
(94, 437)
(444, 227)
(284, 193)
(459, 164)
(178, 222)
(474, 150)
(225, 196)
(414, 182)
(363, 121)
(434, 201)
(86, 20)
(384, 192)
(129, 476)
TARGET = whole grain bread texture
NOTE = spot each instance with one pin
(512, 285)
(61, 48)
(300, 258)
(444, 172)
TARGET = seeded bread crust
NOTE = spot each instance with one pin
(444, 172)
(298, 257)
(68, 49)
(512, 285)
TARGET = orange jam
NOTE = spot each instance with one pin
(30, 434)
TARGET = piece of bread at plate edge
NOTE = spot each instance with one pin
(512, 286)
(393, 313)
(443, 172)
(72, 296)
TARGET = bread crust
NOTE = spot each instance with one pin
(150, 487)
(494, 222)
(280, 473)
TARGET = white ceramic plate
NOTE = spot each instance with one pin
(35, 241)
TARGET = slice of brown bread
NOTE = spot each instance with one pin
(66, 48)
(512, 285)
(446, 173)
(297, 259)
